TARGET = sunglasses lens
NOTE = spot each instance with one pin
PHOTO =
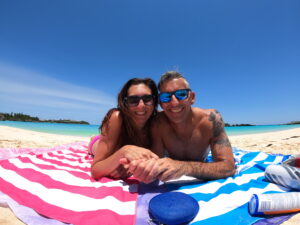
(147, 99)
(165, 97)
(181, 94)
(132, 100)
(135, 100)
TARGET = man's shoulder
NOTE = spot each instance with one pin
(203, 114)
(207, 117)
(160, 118)
(211, 120)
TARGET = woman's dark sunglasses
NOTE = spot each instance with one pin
(134, 100)
(180, 94)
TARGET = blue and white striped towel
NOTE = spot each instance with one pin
(225, 201)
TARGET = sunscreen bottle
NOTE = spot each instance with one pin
(268, 204)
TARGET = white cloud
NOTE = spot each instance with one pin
(22, 88)
(34, 87)
(47, 102)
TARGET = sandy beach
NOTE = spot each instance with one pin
(11, 137)
(284, 142)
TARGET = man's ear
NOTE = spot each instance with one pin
(192, 97)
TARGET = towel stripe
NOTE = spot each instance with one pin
(58, 185)
(53, 180)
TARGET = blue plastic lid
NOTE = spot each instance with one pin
(173, 208)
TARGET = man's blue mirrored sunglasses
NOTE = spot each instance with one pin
(180, 94)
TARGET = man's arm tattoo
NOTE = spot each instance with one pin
(223, 142)
(218, 124)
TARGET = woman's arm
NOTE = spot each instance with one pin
(107, 158)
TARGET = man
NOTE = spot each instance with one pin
(185, 134)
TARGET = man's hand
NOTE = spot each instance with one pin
(170, 169)
(140, 162)
(147, 171)
(144, 170)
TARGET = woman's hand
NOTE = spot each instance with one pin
(120, 172)
(131, 152)
(140, 162)
(145, 171)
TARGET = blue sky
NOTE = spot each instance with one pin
(68, 59)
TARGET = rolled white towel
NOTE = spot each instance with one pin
(284, 175)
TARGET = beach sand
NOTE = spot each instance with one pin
(11, 137)
(284, 142)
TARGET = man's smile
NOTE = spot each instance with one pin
(176, 110)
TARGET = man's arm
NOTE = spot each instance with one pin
(223, 165)
(221, 147)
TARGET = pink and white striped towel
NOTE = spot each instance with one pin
(57, 184)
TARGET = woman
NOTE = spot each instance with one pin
(125, 130)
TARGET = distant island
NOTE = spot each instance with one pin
(238, 125)
(246, 124)
(292, 123)
(26, 118)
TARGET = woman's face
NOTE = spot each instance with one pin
(140, 104)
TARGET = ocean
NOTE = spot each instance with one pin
(83, 130)
(90, 130)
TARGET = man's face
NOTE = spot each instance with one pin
(177, 110)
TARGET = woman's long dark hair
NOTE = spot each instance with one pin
(128, 133)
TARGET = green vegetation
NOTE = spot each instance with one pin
(293, 123)
(246, 124)
(18, 117)
(64, 121)
(27, 118)
(238, 125)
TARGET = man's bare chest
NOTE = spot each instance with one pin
(193, 148)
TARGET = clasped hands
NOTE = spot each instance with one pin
(150, 167)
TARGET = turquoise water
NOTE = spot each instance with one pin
(258, 129)
(89, 130)
(56, 128)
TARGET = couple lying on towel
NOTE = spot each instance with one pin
(135, 137)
